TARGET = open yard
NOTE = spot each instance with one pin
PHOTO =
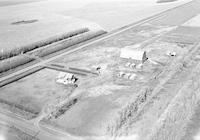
(29, 95)
(107, 100)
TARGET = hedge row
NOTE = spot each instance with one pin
(15, 61)
(64, 108)
(67, 43)
(23, 49)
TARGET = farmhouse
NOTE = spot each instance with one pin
(130, 53)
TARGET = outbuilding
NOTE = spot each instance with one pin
(66, 78)
(130, 53)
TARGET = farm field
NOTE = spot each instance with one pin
(114, 14)
(17, 35)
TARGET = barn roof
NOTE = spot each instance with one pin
(130, 53)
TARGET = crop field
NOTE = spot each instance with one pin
(108, 12)
(29, 96)
(22, 33)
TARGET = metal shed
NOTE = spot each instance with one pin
(134, 54)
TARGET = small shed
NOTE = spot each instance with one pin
(129, 53)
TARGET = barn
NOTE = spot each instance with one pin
(130, 53)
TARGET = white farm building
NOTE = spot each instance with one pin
(130, 53)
